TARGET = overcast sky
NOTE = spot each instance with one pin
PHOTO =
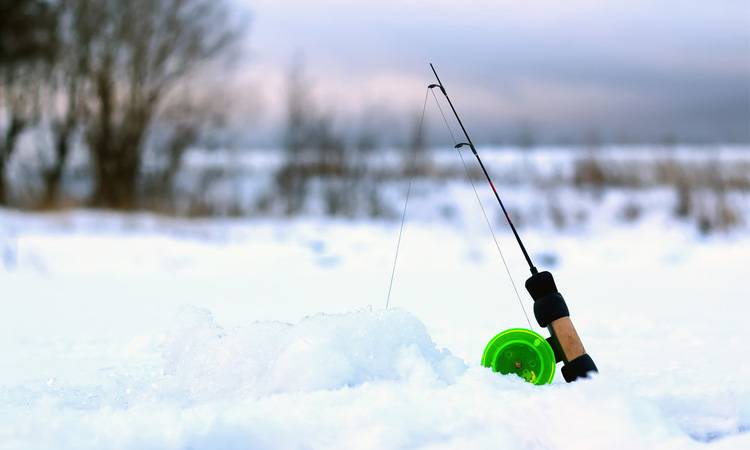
(623, 69)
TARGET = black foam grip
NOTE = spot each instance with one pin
(578, 368)
(541, 284)
(550, 307)
(548, 303)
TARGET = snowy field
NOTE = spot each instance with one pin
(145, 332)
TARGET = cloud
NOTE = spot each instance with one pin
(632, 66)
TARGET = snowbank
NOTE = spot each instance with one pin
(206, 362)
(281, 349)
(365, 379)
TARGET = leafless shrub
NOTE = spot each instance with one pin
(590, 172)
(631, 212)
(704, 184)
(319, 160)
(416, 161)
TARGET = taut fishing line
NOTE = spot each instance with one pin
(481, 206)
(411, 170)
(476, 193)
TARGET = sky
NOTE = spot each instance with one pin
(616, 70)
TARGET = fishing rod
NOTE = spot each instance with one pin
(522, 351)
(486, 174)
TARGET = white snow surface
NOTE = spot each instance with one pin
(145, 332)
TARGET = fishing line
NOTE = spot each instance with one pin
(481, 206)
(468, 142)
(412, 170)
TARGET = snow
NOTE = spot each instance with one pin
(141, 331)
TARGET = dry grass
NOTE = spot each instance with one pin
(708, 189)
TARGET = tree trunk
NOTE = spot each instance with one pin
(3, 194)
(115, 150)
(53, 176)
(117, 173)
(7, 146)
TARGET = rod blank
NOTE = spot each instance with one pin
(439, 84)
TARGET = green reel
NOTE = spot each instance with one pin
(523, 352)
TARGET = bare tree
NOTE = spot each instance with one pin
(189, 117)
(27, 47)
(62, 102)
(133, 53)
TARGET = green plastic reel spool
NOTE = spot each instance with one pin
(523, 352)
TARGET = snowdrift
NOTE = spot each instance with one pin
(206, 362)
(363, 379)
(281, 350)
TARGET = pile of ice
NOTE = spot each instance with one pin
(207, 362)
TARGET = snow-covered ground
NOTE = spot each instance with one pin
(145, 332)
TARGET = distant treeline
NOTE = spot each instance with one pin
(99, 108)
